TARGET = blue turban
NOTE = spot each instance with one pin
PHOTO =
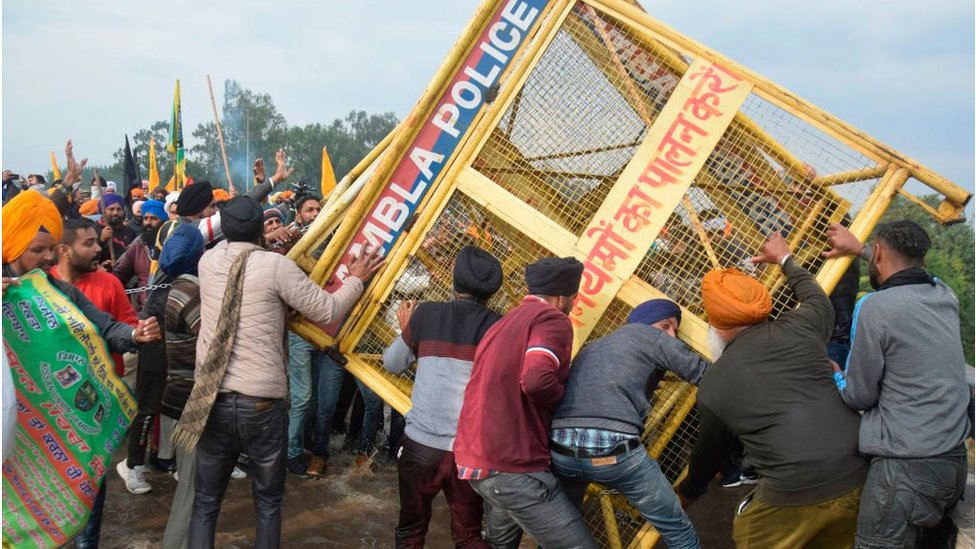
(654, 310)
(109, 199)
(156, 208)
(182, 251)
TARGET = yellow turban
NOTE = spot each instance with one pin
(23, 217)
(733, 298)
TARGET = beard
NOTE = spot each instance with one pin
(873, 275)
(716, 345)
(84, 265)
(149, 235)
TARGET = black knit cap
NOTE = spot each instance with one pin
(477, 273)
(194, 198)
(554, 276)
(242, 219)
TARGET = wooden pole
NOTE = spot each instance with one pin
(220, 135)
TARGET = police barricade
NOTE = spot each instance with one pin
(587, 128)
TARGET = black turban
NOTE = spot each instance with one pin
(554, 276)
(194, 198)
(477, 273)
(241, 219)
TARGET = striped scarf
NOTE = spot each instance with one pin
(211, 372)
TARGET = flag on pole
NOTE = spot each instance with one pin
(328, 176)
(130, 173)
(175, 144)
(55, 170)
(153, 170)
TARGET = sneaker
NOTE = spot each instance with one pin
(238, 473)
(135, 478)
(740, 479)
(316, 467)
(296, 466)
(176, 476)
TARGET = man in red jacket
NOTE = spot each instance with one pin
(517, 381)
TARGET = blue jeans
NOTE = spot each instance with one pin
(535, 503)
(638, 478)
(330, 377)
(302, 357)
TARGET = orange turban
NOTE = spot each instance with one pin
(220, 195)
(89, 207)
(733, 298)
(23, 217)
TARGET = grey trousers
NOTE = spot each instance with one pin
(534, 503)
(178, 525)
(902, 496)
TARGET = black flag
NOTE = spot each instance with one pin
(130, 174)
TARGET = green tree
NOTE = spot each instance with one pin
(952, 259)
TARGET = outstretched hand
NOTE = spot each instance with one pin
(259, 173)
(842, 242)
(74, 167)
(367, 263)
(773, 250)
(283, 171)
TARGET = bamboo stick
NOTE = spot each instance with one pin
(220, 134)
(696, 224)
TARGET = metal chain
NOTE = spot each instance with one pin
(149, 288)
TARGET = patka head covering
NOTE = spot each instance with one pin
(654, 310)
(733, 299)
(554, 276)
(182, 250)
(23, 217)
(477, 273)
(138, 193)
(273, 213)
(242, 219)
(109, 200)
(194, 198)
(156, 208)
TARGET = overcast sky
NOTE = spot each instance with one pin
(902, 71)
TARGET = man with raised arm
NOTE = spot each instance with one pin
(906, 372)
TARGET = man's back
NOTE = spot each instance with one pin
(611, 379)
(272, 283)
(772, 388)
(501, 426)
(907, 372)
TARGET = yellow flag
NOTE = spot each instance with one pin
(328, 176)
(153, 170)
(55, 170)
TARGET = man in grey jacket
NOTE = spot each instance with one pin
(596, 430)
(906, 371)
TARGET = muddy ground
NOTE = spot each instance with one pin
(350, 507)
(356, 507)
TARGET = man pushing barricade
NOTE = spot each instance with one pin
(441, 338)
(770, 388)
(906, 371)
(237, 403)
(596, 430)
(518, 380)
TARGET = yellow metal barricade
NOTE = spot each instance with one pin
(587, 128)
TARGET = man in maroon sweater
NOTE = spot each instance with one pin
(517, 381)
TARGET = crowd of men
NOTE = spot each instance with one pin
(865, 451)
